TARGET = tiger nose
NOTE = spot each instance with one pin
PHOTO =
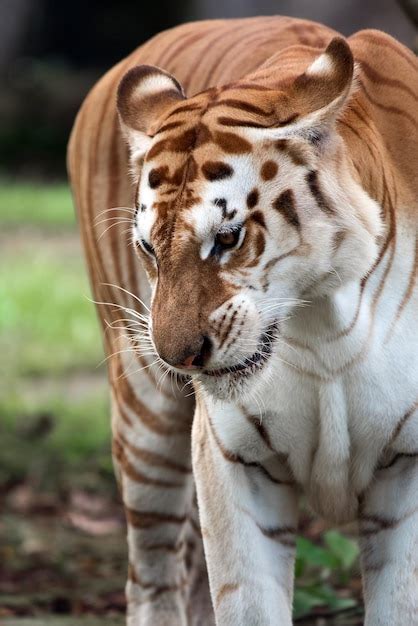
(194, 357)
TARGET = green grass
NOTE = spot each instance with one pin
(47, 323)
(49, 335)
(36, 205)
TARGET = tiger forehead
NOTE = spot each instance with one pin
(205, 141)
(214, 165)
(217, 116)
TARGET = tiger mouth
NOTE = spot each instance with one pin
(252, 363)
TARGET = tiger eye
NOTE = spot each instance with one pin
(227, 238)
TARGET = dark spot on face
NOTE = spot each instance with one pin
(260, 243)
(281, 144)
(177, 177)
(192, 169)
(203, 135)
(216, 170)
(315, 187)
(293, 152)
(232, 143)
(258, 217)
(268, 170)
(156, 177)
(252, 198)
(156, 149)
(142, 208)
(338, 239)
(223, 204)
(286, 206)
(220, 202)
(184, 142)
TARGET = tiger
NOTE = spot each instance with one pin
(252, 250)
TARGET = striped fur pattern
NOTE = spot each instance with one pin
(264, 244)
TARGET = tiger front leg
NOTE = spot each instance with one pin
(389, 543)
(248, 515)
(167, 581)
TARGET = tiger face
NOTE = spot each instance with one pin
(247, 207)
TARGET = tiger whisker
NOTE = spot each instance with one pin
(116, 208)
(108, 228)
(129, 293)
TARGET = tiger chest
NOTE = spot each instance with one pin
(331, 432)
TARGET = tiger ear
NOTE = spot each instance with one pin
(144, 94)
(319, 95)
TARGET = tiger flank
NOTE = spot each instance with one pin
(247, 196)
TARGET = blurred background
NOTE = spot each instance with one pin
(62, 549)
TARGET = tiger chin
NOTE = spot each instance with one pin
(267, 251)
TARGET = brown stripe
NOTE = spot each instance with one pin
(257, 422)
(396, 458)
(136, 475)
(153, 458)
(225, 590)
(186, 108)
(250, 86)
(401, 424)
(228, 329)
(221, 34)
(381, 523)
(411, 284)
(313, 183)
(385, 42)
(242, 105)
(358, 135)
(236, 458)
(387, 108)
(258, 217)
(125, 395)
(216, 170)
(232, 49)
(376, 77)
(232, 122)
(293, 152)
(171, 126)
(173, 548)
(150, 519)
(280, 534)
(173, 50)
(156, 588)
(232, 143)
(285, 204)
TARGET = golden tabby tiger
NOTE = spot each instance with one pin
(274, 211)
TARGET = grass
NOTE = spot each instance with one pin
(47, 323)
(49, 342)
(46, 206)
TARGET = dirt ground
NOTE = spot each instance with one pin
(63, 562)
(62, 565)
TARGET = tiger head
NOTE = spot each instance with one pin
(247, 204)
